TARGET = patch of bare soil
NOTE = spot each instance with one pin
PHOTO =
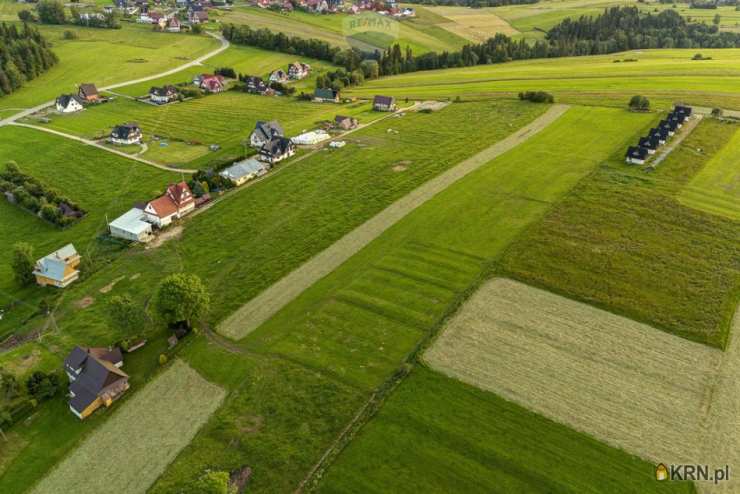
(107, 288)
(84, 302)
(401, 166)
(164, 236)
(431, 105)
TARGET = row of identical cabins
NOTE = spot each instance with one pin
(658, 135)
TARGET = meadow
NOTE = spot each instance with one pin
(226, 119)
(508, 337)
(716, 188)
(243, 59)
(623, 242)
(346, 335)
(129, 451)
(444, 436)
(665, 76)
(102, 183)
(420, 36)
(104, 57)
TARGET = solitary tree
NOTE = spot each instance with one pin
(182, 297)
(639, 103)
(22, 263)
(717, 19)
(125, 314)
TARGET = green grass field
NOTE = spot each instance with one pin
(244, 60)
(444, 436)
(716, 188)
(665, 76)
(420, 36)
(145, 434)
(349, 332)
(622, 241)
(226, 119)
(102, 183)
(106, 56)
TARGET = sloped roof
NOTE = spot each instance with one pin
(383, 100)
(276, 146)
(88, 89)
(163, 206)
(53, 265)
(124, 130)
(242, 169)
(65, 99)
(97, 375)
(268, 130)
(325, 93)
(131, 221)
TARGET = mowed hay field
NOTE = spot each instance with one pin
(128, 452)
(622, 241)
(625, 383)
(440, 436)
(107, 56)
(665, 76)
(477, 25)
(716, 188)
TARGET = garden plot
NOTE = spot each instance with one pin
(131, 450)
(620, 381)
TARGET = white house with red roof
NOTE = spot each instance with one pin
(176, 202)
(211, 83)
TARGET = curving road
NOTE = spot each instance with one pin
(12, 120)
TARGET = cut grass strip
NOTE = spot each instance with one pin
(131, 450)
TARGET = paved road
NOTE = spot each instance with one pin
(105, 148)
(258, 310)
(224, 45)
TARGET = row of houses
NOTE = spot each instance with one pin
(295, 72)
(87, 93)
(658, 135)
(389, 7)
(137, 224)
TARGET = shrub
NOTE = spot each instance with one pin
(27, 16)
(639, 103)
(162, 359)
(23, 263)
(537, 97)
(42, 386)
(226, 72)
(69, 35)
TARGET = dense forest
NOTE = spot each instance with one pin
(24, 54)
(617, 29)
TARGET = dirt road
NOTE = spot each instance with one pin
(266, 304)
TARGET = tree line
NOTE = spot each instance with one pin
(617, 29)
(24, 55)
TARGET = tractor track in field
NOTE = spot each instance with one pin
(258, 310)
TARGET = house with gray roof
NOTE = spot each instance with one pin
(132, 225)
(69, 103)
(264, 132)
(58, 268)
(95, 378)
(244, 171)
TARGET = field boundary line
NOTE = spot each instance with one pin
(262, 307)
(88, 142)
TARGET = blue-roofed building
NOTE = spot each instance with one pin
(58, 268)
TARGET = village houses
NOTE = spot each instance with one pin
(163, 95)
(384, 103)
(126, 134)
(176, 202)
(255, 85)
(264, 132)
(279, 76)
(278, 149)
(69, 103)
(210, 83)
(326, 95)
(244, 171)
(88, 93)
(132, 226)
(345, 123)
(59, 268)
(298, 70)
(95, 379)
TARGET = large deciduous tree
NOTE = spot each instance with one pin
(182, 297)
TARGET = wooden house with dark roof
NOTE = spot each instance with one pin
(95, 379)
(88, 92)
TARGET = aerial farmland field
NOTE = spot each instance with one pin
(163, 417)
(474, 283)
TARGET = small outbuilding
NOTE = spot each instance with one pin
(244, 171)
(131, 226)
